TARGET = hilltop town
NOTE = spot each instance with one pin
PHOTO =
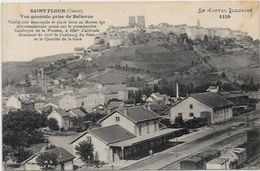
(140, 97)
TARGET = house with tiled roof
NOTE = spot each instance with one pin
(14, 103)
(213, 107)
(64, 160)
(126, 134)
(157, 98)
(64, 118)
(78, 113)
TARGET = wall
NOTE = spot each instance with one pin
(68, 165)
(56, 116)
(13, 102)
(145, 126)
(215, 166)
(184, 108)
(222, 115)
(124, 122)
(32, 164)
(99, 147)
(90, 101)
(198, 107)
(115, 42)
(68, 102)
(120, 95)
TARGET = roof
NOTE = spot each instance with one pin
(158, 95)
(63, 113)
(146, 137)
(116, 104)
(78, 112)
(212, 100)
(55, 101)
(27, 102)
(79, 48)
(208, 153)
(62, 155)
(109, 134)
(139, 114)
(234, 94)
(218, 161)
(195, 159)
(135, 114)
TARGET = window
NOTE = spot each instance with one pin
(140, 129)
(155, 126)
(180, 114)
(88, 138)
(191, 106)
(117, 119)
(191, 114)
(147, 126)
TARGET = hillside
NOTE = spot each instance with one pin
(158, 59)
(13, 72)
(142, 63)
(52, 58)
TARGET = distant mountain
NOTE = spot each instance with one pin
(13, 72)
(52, 58)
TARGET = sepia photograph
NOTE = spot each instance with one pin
(171, 85)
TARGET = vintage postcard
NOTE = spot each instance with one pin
(131, 85)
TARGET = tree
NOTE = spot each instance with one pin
(179, 121)
(51, 146)
(85, 151)
(206, 38)
(47, 160)
(20, 154)
(7, 150)
(21, 129)
(53, 124)
(223, 75)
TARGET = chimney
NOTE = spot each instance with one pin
(125, 111)
(149, 106)
(177, 90)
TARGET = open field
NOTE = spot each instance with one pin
(117, 76)
(152, 58)
(232, 61)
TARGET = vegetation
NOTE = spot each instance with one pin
(195, 123)
(51, 146)
(47, 160)
(20, 154)
(178, 122)
(85, 151)
(21, 131)
(53, 124)
(93, 117)
(135, 96)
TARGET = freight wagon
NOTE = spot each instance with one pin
(234, 159)
(199, 160)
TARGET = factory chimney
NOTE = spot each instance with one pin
(177, 90)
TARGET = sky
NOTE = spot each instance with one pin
(15, 48)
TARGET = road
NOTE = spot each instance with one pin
(168, 157)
